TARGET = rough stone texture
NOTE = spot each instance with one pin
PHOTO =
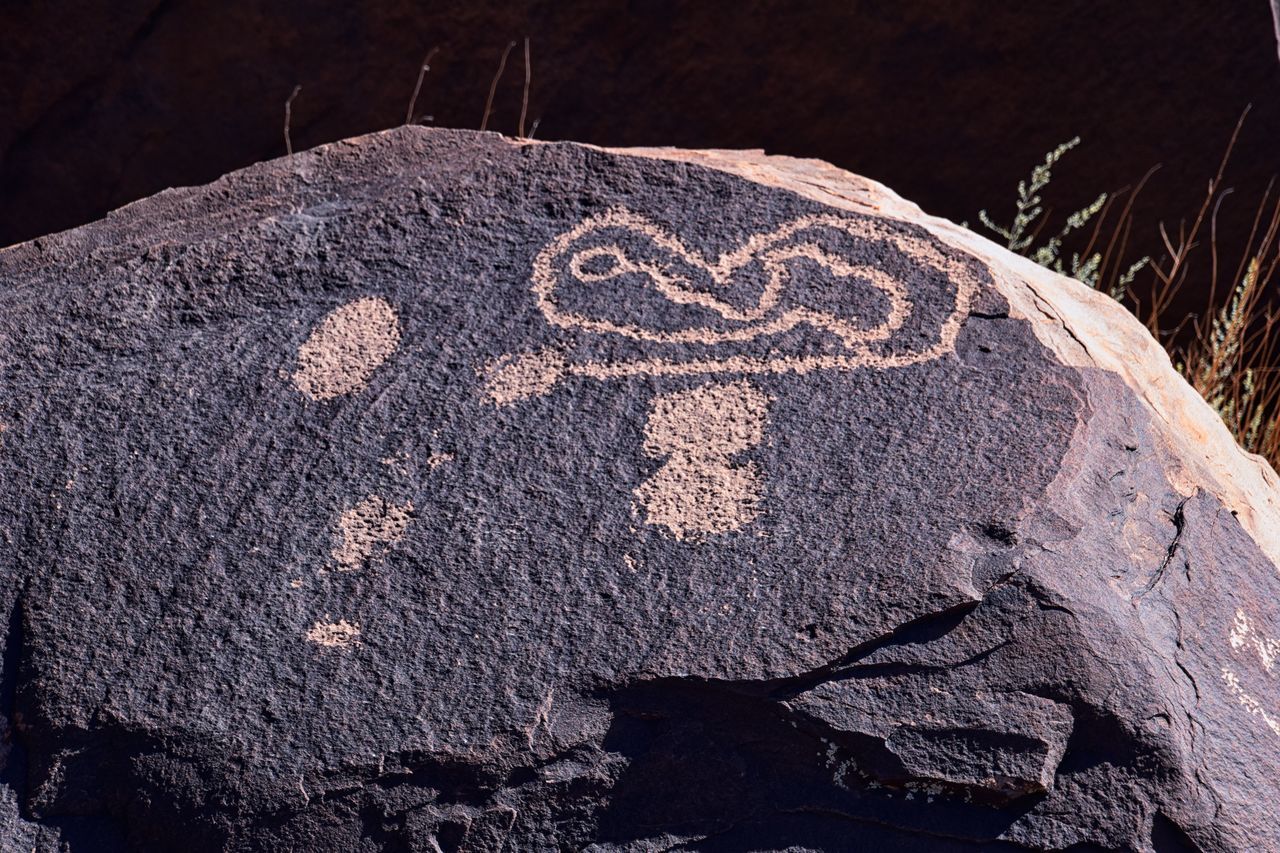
(429, 491)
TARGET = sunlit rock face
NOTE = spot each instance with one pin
(435, 491)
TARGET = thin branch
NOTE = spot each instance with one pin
(1168, 244)
(288, 119)
(417, 87)
(1125, 225)
(1213, 244)
(1186, 239)
(524, 100)
(493, 87)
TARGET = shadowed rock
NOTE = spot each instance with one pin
(430, 491)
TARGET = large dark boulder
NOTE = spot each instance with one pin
(430, 491)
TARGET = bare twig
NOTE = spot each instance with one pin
(417, 87)
(493, 87)
(288, 118)
(1118, 244)
(1213, 244)
(524, 100)
(1171, 279)
(1253, 232)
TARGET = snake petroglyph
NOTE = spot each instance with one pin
(699, 490)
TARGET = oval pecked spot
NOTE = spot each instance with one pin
(345, 349)
(335, 635)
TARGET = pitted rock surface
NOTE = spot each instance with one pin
(430, 491)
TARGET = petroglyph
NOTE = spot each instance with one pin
(709, 422)
(335, 635)
(1244, 636)
(1250, 704)
(344, 350)
(367, 529)
(522, 376)
(531, 374)
(1243, 633)
(699, 489)
(339, 357)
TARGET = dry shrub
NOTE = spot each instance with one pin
(1229, 351)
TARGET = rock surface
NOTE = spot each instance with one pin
(430, 491)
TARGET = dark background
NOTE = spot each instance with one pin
(949, 102)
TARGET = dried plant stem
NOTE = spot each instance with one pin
(288, 119)
(524, 99)
(493, 87)
(417, 87)
(1172, 278)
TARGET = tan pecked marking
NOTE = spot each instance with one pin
(435, 460)
(367, 529)
(1244, 635)
(344, 350)
(523, 376)
(707, 422)
(1247, 701)
(520, 377)
(699, 490)
(771, 249)
(335, 635)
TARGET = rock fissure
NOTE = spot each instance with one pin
(1178, 519)
(1045, 307)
